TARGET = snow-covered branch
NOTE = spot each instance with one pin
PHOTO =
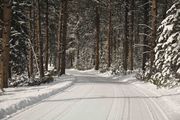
(146, 26)
(144, 34)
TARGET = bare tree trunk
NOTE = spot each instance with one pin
(145, 40)
(154, 30)
(59, 37)
(64, 35)
(77, 47)
(115, 47)
(1, 26)
(137, 40)
(71, 59)
(41, 68)
(30, 45)
(109, 35)
(1, 80)
(35, 43)
(97, 38)
(125, 42)
(7, 16)
(131, 41)
(47, 36)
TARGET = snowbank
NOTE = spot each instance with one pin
(15, 99)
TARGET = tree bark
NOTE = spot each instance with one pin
(131, 41)
(64, 35)
(41, 67)
(154, 30)
(34, 44)
(109, 35)
(78, 50)
(30, 45)
(125, 42)
(97, 38)
(145, 40)
(47, 36)
(59, 37)
(7, 16)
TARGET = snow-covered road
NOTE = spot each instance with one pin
(94, 97)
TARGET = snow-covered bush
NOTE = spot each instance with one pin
(23, 80)
(116, 67)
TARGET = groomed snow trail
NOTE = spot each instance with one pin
(94, 97)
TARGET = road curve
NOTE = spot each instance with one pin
(96, 98)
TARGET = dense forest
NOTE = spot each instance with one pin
(121, 36)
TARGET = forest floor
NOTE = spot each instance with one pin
(92, 96)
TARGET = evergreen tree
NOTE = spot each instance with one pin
(19, 37)
(167, 50)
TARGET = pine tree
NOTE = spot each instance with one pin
(167, 50)
(19, 37)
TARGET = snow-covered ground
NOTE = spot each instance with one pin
(93, 96)
(15, 99)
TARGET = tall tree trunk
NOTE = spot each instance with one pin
(47, 36)
(154, 30)
(59, 37)
(77, 47)
(131, 40)
(136, 39)
(34, 44)
(40, 46)
(115, 46)
(7, 16)
(109, 35)
(30, 45)
(1, 26)
(1, 80)
(97, 38)
(125, 42)
(145, 40)
(64, 35)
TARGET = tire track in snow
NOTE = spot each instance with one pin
(69, 108)
(152, 103)
(123, 111)
(116, 109)
(125, 106)
(153, 116)
(59, 104)
(112, 103)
